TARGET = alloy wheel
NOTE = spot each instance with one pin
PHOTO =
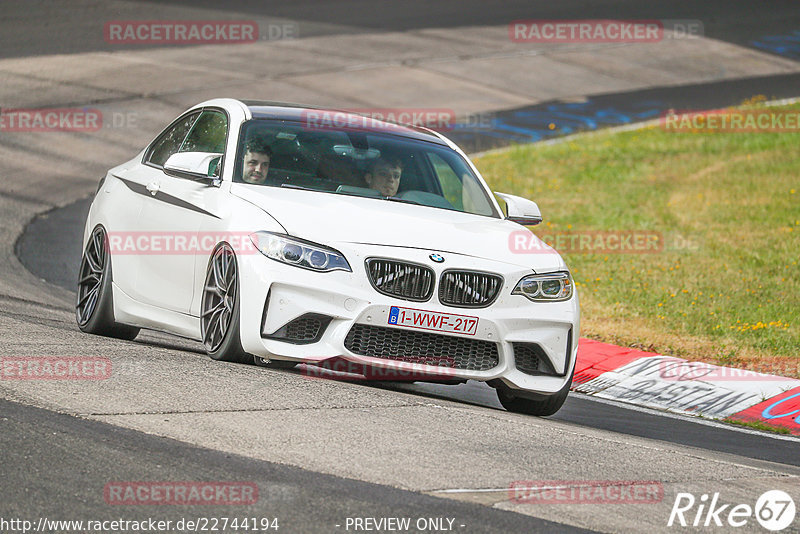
(219, 298)
(91, 276)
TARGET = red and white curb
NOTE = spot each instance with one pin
(667, 383)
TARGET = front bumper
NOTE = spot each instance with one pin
(274, 294)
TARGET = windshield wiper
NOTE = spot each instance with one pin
(300, 187)
(404, 200)
(356, 194)
(351, 193)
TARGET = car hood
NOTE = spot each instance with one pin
(328, 219)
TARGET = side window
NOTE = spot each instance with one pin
(461, 189)
(170, 141)
(449, 181)
(208, 133)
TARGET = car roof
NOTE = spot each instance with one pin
(300, 113)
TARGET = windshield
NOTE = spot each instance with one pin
(363, 163)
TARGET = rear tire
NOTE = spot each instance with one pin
(94, 310)
(542, 408)
(219, 314)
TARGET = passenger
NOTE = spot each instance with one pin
(257, 154)
(384, 175)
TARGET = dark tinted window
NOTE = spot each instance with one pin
(208, 133)
(170, 141)
(372, 164)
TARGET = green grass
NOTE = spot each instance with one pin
(725, 288)
(758, 425)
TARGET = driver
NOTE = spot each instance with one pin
(257, 154)
(384, 174)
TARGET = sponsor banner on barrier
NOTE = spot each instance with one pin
(781, 410)
(655, 382)
(682, 370)
(595, 358)
(662, 382)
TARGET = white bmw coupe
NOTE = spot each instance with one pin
(280, 235)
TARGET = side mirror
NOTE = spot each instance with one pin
(198, 166)
(521, 210)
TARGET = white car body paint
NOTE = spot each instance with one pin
(163, 292)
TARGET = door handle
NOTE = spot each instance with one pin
(153, 187)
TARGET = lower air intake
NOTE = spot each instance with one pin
(531, 359)
(307, 328)
(422, 347)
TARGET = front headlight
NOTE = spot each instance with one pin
(545, 287)
(300, 253)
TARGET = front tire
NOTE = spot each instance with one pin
(94, 310)
(542, 408)
(219, 314)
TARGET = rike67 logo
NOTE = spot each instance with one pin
(774, 510)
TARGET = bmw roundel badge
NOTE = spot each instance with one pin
(437, 258)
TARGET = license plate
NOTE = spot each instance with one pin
(428, 320)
